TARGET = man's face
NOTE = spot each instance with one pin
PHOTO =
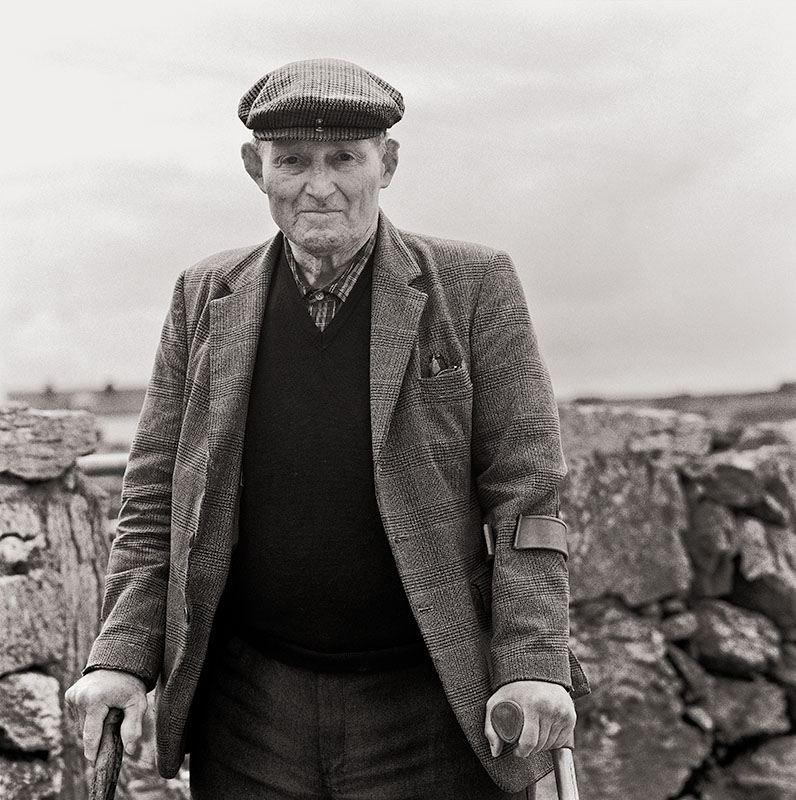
(324, 196)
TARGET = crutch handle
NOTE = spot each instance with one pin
(507, 720)
(109, 758)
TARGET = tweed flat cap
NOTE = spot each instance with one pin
(322, 99)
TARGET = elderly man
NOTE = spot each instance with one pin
(338, 547)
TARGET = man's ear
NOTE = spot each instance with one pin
(253, 162)
(389, 160)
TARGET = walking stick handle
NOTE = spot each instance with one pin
(507, 720)
(109, 758)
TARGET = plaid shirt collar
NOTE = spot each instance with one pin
(342, 285)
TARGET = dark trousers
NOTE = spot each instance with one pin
(265, 730)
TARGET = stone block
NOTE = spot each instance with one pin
(745, 709)
(696, 681)
(673, 605)
(632, 738)
(22, 531)
(785, 670)
(756, 559)
(53, 551)
(30, 713)
(30, 779)
(729, 478)
(763, 434)
(678, 627)
(616, 430)
(700, 717)
(50, 607)
(762, 481)
(40, 445)
(734, 641)
(767, 772)
(711, 543)
(767, 580)
(32, 622)
(625, 516)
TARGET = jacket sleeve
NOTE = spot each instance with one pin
(134, 606)
(518, 463)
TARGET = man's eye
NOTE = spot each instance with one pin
(345, 157)
(289, 161)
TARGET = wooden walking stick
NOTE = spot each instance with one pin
(507, 720)
(109, 758)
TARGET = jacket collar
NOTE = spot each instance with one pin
(259, 262)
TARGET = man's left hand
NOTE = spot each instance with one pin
(549, 717)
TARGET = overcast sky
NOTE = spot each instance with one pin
(635, 158)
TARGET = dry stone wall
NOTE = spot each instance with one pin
(53, 552)
(54, 547)
(683, 574)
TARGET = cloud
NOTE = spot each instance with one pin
(635, 160)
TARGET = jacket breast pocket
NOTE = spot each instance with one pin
(450, 385)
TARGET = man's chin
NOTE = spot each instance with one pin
(322, 243)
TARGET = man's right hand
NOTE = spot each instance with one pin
(95, 693)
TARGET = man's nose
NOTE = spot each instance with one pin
(320, 184)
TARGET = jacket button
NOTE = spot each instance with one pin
(187, 612)
(191, 541)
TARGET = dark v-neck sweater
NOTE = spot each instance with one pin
(313, 579)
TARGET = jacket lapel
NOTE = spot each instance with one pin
(235, 321)
(395, 315)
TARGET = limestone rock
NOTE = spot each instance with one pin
(679, 626)
(49, 610)
(625, 515)
(762, 481)
(31, 621)
(54, 552)
(772, 510)
(744, 709)
(33, 779)
(22, 535)
(767, 582)
(696, 681)
(632, 738)
(768, 772)
(40, 445)
(711, 542)
(700, 717)
(615, 430)
(30, 713)
(765, 433)
(785, 671)
(757, 560)
(729, 478)
(673, 605)
(785, 674)
(734, 641)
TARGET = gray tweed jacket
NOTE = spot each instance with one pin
(476, 444)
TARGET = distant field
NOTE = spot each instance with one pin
(728, 409)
